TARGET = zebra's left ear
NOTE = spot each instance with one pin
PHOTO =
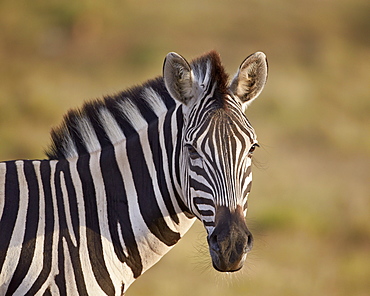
(178, 78)
(250, 79)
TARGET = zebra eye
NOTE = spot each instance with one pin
(254, 146)
(193, 154)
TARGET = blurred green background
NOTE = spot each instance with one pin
(309, 209)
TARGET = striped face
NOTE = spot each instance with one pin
(217, 147)
(217, 155)
(217, 170)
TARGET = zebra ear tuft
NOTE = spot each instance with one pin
(178, 78)
(250, 78)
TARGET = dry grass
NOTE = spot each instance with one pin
(309, 207)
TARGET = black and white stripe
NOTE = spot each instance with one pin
(125, 178)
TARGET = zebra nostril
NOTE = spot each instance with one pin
(213, 243)
(249, 245)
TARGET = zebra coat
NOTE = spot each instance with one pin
(126, 177)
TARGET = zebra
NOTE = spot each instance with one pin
(125, 178)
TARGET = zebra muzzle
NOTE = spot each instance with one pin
(230, 240)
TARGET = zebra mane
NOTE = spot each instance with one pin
(105, 122)
(210, 65)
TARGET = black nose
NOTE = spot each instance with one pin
(229, 244)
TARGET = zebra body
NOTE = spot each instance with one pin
(125, 179)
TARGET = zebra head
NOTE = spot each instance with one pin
(217, 146)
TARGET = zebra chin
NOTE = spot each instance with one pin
(230, 241)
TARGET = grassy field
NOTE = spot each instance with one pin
(309, 209)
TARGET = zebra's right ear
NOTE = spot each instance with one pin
(178, 78)
(250, 79)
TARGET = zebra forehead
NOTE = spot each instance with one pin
(221, 123)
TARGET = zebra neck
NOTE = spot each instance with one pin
(117, 225)
(137, 203)
(137, 196)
